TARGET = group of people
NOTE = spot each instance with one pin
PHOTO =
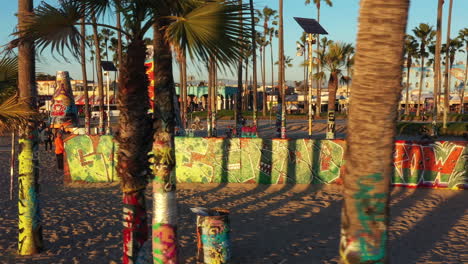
(47, 136)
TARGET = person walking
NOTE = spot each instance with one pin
(59, 148)
(46, 138)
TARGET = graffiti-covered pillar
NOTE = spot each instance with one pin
(30, 228)
(64, 112)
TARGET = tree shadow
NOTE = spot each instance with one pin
(425, 234)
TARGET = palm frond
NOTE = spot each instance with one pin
(53, 27)
(8, 68)
(15, 112)
(213, 29)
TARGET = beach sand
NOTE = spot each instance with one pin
(270, 223)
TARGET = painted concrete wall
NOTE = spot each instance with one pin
(441, 164)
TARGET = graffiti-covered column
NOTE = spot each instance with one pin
(164, 222)
(64, 112)
(30, 228)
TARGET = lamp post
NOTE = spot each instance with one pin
(310, 26)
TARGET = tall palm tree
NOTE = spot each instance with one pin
(281, 125)
(319, 84)
(425, 34)
(365, 216)
(446, 73)
(254, 61)
(333, 61)
(437, 69)
(85, 77)
(411, 52)
(455, 46)
(268, 15)
(463, 36)
(30, 227)
(218, 38)
(98, 66)
(349, 51)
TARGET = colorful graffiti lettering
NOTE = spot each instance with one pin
(276, 161)
(438, 164)
(90, 158)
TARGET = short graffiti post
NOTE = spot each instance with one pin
(213, 236)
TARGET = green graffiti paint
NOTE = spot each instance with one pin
(272, 161)
(371, 211)
(91, 158)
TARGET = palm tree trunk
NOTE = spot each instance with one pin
(254, 63)
(408, 67)
(332, 88)
(437, 73)
(99, 76)
(245, 101)
(319, 68)
(184, 90)
(282, 116)
(447, 87)
(371, 132)
(85, 78)
(164, 184)
(30, 227)
(119, 35)
(134, 140)
(264, 97)
(215, 97)
(421, 84)
(462, 99)
(209, 102)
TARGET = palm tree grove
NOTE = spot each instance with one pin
(233, 131)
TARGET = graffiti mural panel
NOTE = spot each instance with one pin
(440, 164)
(90, 158)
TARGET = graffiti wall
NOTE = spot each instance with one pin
(441, 164)
(90, 158)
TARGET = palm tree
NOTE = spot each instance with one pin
(425, 34)
(446, 73)
(281, 125)
(334, 60)
(437, 70)
(98, 66)
(463, 36)
(349, 51)
(218, 38)
(85, 77)
(319, 84)
(366, 185)
(411, 51)
(30, 227)
(254, 61)
(455, 46)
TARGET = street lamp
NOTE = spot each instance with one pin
(310, 26)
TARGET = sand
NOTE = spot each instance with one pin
(270, 223)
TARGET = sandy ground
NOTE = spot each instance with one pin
(270, 223)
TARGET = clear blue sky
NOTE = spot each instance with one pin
(340, 21)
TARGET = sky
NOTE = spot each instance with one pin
(340, 21)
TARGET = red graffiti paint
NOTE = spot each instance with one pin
(135, 231)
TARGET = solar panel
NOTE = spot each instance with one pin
(310, 26)
(108, 66)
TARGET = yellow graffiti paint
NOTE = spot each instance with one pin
(30, 237)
